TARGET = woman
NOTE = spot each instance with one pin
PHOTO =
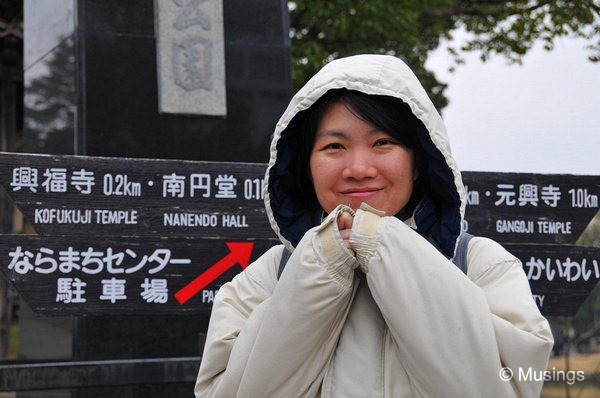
(362, 189)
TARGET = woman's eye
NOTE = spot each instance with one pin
(333, 146)
(383, 142)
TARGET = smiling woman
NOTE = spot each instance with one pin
(363, 191)
(353, 161)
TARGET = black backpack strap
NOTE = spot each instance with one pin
(460, 258)
(285, 256)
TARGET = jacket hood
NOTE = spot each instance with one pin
(439, 213)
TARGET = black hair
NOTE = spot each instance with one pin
(387, 114)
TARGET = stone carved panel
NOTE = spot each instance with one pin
(191, 57)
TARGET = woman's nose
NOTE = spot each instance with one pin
(359, 166)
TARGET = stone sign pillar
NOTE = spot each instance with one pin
(95, 85)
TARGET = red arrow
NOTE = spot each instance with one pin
(239, 253)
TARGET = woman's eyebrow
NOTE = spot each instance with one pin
(332, 133)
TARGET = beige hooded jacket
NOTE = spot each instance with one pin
(399, 319)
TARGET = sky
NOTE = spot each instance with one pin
(539, 117)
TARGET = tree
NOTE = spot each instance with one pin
(324, 30)
(50, 102)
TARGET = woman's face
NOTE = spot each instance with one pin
(353, 162)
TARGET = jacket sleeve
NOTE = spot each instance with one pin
(454, 333)
(275, 338)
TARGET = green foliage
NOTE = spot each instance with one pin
(325, 30)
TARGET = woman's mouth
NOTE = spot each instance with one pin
(361, 193)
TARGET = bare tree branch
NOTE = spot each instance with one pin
(593, 6)
(586, 335)
(442, 13)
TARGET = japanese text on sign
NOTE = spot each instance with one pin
(90, 261)
(190, 50)
(534, 195)
(58, 180)
(567, 269)
(71, 290)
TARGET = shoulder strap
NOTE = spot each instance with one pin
(460, 258)
(285, 256)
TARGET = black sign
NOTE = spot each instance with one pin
(533, 208)
(91, 275)
(111, 223)
(561, 277)
(67, 195)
